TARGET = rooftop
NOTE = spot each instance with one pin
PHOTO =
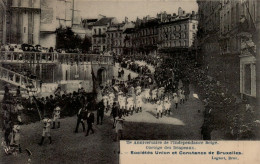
(103, 21)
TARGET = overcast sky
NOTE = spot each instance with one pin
(132, 8)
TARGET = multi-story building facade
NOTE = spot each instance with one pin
(99, 33)
(247, 34)
(145, 37)
(128, 41)
(225, 35)
(177, 32)
(114, 38)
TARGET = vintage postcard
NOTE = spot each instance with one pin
(130, 81)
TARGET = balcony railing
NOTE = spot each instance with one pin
(40, 57)
(17, 79)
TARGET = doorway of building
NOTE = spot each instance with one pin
(101, 76)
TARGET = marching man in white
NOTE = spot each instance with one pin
(147, 94)
(138, 90)
(56, 117)
(121, 102)
(105, 100)
(175, 100)
(154, 95)
(130, 105)
(111, 100)
(159, 108)
(46, 131)
(167, 105)
(182, 97)
(139, 103)
(16, 135)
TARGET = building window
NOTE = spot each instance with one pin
(193, 26)
(24, 29)
(99, 31)
(95, 31)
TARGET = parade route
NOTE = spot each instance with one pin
(183, 123)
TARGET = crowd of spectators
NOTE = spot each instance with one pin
(36, 48)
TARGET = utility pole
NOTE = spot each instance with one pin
(258, 57)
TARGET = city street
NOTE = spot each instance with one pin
(183, 123)
(66, 64)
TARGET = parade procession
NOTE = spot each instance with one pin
(73, 84)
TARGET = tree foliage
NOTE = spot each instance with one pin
(67, 39)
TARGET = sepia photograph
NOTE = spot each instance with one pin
(79, 76)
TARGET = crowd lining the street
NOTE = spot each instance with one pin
(166, 88)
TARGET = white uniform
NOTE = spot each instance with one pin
(111, 99)
(167, 104)
(138, 101)
(154, 94)
(16, 134)
(121, 100)
(175, 98)
(56, 114)
(105, 100)
(130, 103)
(147, 94)
(159, 107)
(19, 109)
(47, 127)
(138, 90)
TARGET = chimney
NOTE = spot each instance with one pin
(126, 20)
(193, 13)
(180, 11)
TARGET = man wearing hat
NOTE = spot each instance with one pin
(114, 113)
(46, 130)
(100, 112)
(90, 122)
(56, 116)
(81, 117)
